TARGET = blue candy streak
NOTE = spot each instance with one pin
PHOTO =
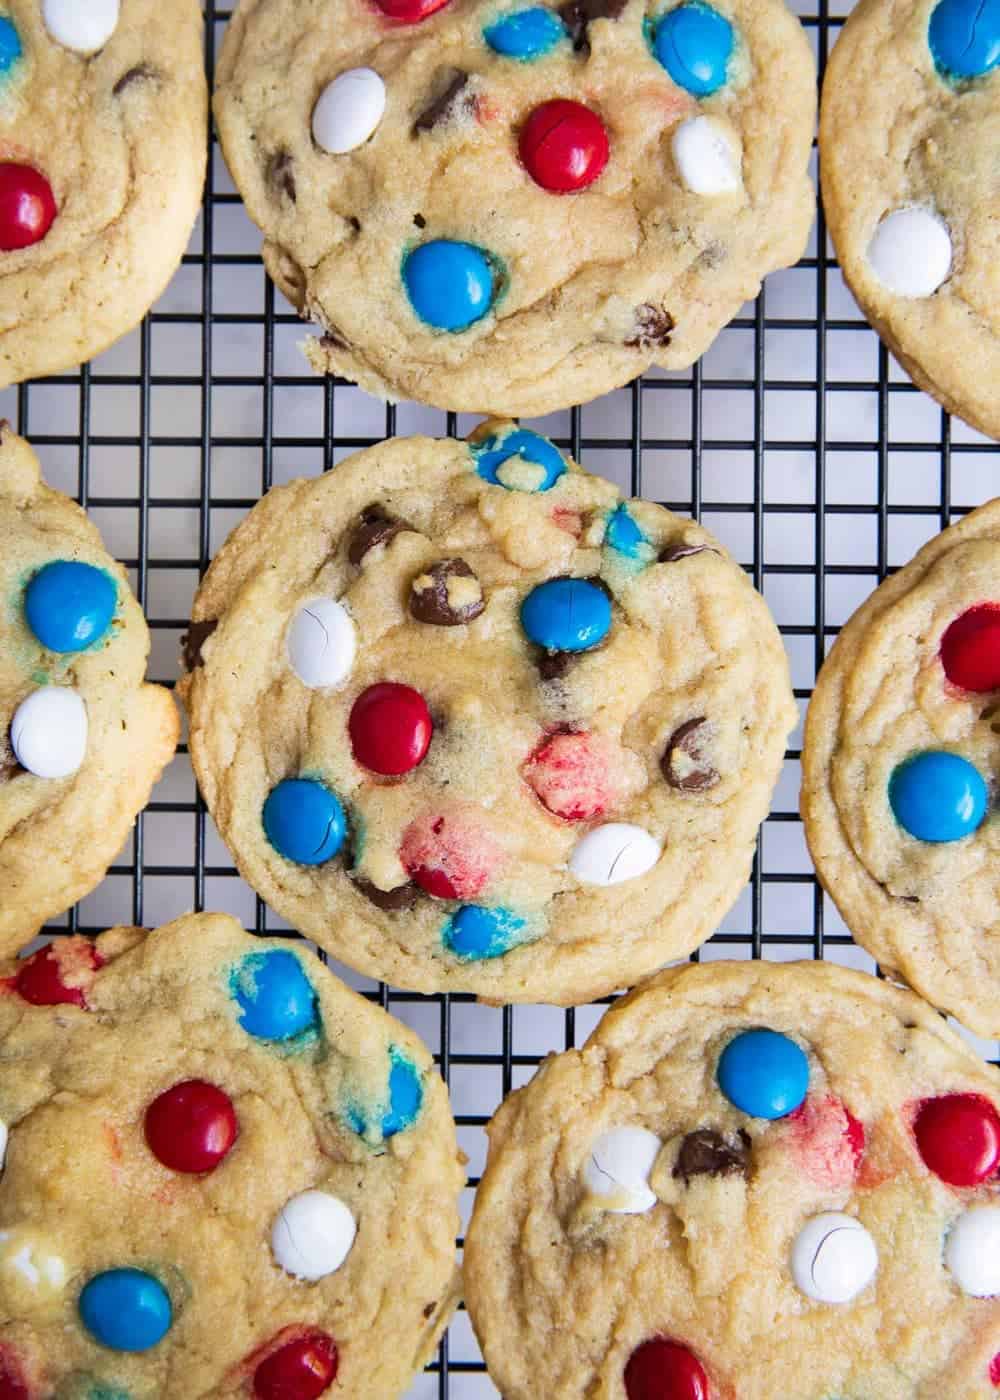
(492, 453)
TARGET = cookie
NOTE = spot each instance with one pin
(472, 722)
(82, 738)
(755, 1180)
(909, 130)
(899, 771)
(226, 1175)
(501, 207)
(103, 140)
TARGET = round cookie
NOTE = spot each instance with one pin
(219, 1159)
(899, 772)
(755, 1180)
(82, 738)
(472, 722)
(909, 129)
(103, 140)
(503, 207)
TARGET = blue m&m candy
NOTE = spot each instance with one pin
(304, 821)
(623, 534)
(10, 45)
(764, 1073)
(938, 796)
(126, 1310)
(695, 43)
(474, 933)
(499, 459)
(275, 997)
(964, 37)
(567, 614)
(525, 34)
(451, 285)
(69, 605)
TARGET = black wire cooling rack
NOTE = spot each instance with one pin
(796, 439)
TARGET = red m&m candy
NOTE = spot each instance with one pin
(27, 206)
(13, 1385)
(563, 146)
(59, 973)
(574, 775)
(390, 728)
(970, 649)
(827, 1141)
(300, 1370)
(410, 11)
(995, 1370)
(959, 1138)
(191, 1127)
(451, 854)
(665, 1370)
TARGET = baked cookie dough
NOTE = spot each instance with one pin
(504, 207)
(909, 132)
(226, 1175)
(754, 1181)
(82, 738)
(902, 748)
(472, 722)
(103, 140)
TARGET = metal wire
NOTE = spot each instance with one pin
(795, 439)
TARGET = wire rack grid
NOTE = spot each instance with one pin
(796, 439)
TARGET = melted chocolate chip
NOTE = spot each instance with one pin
(578, 14)
(376, 526)
(9, 766)
(707, 1153)
(391, 901)
(654, 326)
(552, 665)
(429, 1309)
(281, 174)
(441, 108)
(142, 73)
(447, 594)
(672, 552)
(332, 339)
(696, 773)
(193, 640)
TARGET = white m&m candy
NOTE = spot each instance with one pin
(4, 1135)
(833, 1258)
(972, 1251)
(910, 253)
(348, 111)
(619, 1166)
(49, 732)
(313, 1235)
(612, 853)
(706, 158)
(322, 643)
(81, 25)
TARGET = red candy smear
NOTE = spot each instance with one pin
(970, 649)
(959, 1138)
(995, 1369)
(13, 1385)
(59, 973)
(390, 728)
(563, 146)
(27, 206)
(191, 1127)
(827, 1141)
(663, 1370)
(451, 854)
(574, 775)
(300, 1370)
(410, 11)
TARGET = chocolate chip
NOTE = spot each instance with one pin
(672, 552)
(281, 174)
(654, 325)
(552, 665)
(420, 221)
(429, 1309)
(193, 640)
(142, 73)
(376, 526)
(391, 901)
(447, 594)
(707, 1153)
(441, 108)
(9, 766)
(693, 773)
(578, 14)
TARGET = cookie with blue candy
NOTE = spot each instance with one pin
(473, 722)
(754, 1180)
(216, 1156)
(900, 764)
(83, 738)
(913, 214)
(509, 207)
